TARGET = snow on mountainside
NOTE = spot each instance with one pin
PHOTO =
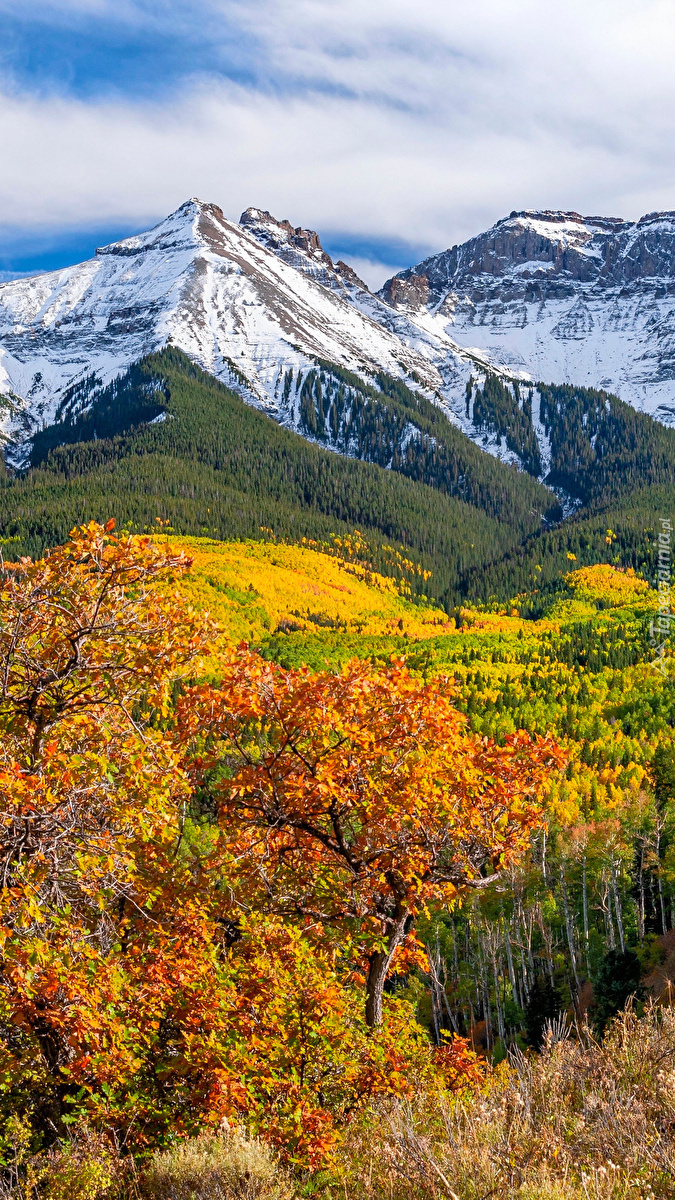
(454, 365)
(558, 297)
(244, 311)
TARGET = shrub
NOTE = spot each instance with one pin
(226, 1165)
(85, 1166)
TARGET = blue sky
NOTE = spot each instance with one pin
(393, 128)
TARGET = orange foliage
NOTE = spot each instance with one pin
(159, 974)
(359, 797)
(136, 989)
(458, 1065)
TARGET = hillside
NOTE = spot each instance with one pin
(260, 305)
(255, 589)
(169, 441)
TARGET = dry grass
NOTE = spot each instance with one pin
(86, 1166)
(582, 1121)
(223, 1166)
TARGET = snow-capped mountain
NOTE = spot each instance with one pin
(558, 297)
(546, 296)
(245, 309)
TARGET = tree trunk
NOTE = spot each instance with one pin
(378, 970)
(617, 908)
(509, 959)
(662, 902)
(585, 901)
(569, 925)
(641, 896)
(501, 1027)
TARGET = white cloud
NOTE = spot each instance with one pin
(421, 121)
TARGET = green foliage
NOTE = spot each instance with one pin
(544, 1004)
(403, 431)
(584, 676)
(499, 409)
(618, 979)
(534, 570)
(663, 775)
(212, 465)
(600, 447)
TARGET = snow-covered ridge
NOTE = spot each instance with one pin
(247, 301)
(549, 295)
(210, 287)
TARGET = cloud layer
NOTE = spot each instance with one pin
(395, 128)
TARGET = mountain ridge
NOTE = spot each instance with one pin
(204, 284)
(260, 305)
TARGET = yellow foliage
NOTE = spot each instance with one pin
(251, 588)
(603, 582)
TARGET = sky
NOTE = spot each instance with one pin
(395, 128)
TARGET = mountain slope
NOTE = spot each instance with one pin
(179, 445)
(261, 306)
(559, 297)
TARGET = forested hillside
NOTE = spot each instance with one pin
(169, 441)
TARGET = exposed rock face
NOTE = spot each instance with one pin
(560, 297)
(300, 248)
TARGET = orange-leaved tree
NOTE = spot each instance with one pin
(127, 988)
(358, 798)
(89, 651)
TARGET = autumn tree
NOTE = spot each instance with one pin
(86, 637)
(133, 990)
(356, 799)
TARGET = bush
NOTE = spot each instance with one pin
(224, 1166)
(85, 1166)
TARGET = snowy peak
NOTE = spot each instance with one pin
(178, 230)
(556, 296)
(548, 246)
(209, 286)
(524, 246)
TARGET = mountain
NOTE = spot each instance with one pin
(262, 308)
(219, 291)
(561, 298)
